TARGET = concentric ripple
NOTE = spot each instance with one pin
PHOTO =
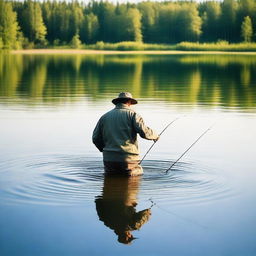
(50, 179)
(184, 183)
(60, 179)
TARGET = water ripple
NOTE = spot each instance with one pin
(68, 180)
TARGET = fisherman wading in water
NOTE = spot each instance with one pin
(116, 136)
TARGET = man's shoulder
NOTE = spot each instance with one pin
(120, 110)
(107, 113)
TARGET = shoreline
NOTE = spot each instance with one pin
(114, 52)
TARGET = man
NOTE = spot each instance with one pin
(116, 136)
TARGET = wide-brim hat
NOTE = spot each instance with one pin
(124, 95)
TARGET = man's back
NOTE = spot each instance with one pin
(116, 133)
(118, 130)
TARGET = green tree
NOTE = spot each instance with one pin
(129, 24)
(229, 30)
(90, 28)
(76, 18)
(179, 22)
(63, 14)
(32, 22)
(48, 18)
(246, 29)
(148, 20)
(75, 42)
(166, 27)
(190, 22)
(211, 12)
(133, 25)
(105, 12)
(8, 25)
(247, 8)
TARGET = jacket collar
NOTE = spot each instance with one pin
(122, 105)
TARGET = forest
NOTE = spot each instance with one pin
(36, 24)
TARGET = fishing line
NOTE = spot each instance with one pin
(159, 136)
(189, 148)
(184, 219)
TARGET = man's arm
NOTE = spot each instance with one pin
(97, 138)
(144, 131)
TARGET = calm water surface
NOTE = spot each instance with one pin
(54, 198)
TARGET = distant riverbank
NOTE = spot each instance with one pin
(140, 48)
(109, 52)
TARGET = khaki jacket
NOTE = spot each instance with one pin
(116, 134)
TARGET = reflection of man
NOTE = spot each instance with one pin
(116, 136)
(116, 207)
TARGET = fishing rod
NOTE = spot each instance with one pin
(159, 136)
(189, 148)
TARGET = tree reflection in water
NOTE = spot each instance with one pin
(226, 80)
(116, 207)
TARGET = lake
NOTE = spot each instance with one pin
(54, 198)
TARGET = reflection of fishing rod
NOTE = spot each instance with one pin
(159, 136)
(189, 148)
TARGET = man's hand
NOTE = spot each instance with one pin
(155, 140)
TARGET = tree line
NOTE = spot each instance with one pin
(39, 24)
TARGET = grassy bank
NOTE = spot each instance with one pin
(220, 46)
(140, 48)
(184, 46)
(131, 46)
